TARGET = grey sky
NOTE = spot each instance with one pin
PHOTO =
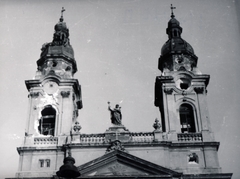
(117, 45)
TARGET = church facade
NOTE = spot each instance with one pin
(181, 145)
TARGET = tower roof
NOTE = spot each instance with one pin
(60, 45)
(175, 43)
(176, 49)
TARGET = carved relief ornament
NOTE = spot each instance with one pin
(115, 145)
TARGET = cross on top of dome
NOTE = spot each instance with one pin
(61, 19)
(172, 15)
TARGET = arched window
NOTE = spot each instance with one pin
(175, 33)
(187, 118)
(47, 121)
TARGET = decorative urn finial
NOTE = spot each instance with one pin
(77, 127)
(157, 125)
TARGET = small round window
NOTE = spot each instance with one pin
(183, 83)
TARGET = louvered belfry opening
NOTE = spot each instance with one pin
(187, 118)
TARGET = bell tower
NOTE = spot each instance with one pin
(181, 90)
(181, 96)
(54, 101)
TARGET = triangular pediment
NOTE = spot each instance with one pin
(119, 163)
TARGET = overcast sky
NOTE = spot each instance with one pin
(117, 45)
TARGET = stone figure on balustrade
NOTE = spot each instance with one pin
(116, 115)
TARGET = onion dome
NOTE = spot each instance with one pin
(175, 46)
(61, 26)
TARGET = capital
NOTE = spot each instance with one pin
(168, 90)
(34, 94)
(199, 90)
(65, 94)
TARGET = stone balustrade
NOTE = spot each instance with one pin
(189, 137)
(100, 138)
(139, 137)
(45, 140)
(92, 138)
(142, 137)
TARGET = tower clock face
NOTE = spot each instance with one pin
(50, 87)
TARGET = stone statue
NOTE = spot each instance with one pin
(116, 115)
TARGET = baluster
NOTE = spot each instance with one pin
(134, 137)
(137, 137)
(140, 137)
